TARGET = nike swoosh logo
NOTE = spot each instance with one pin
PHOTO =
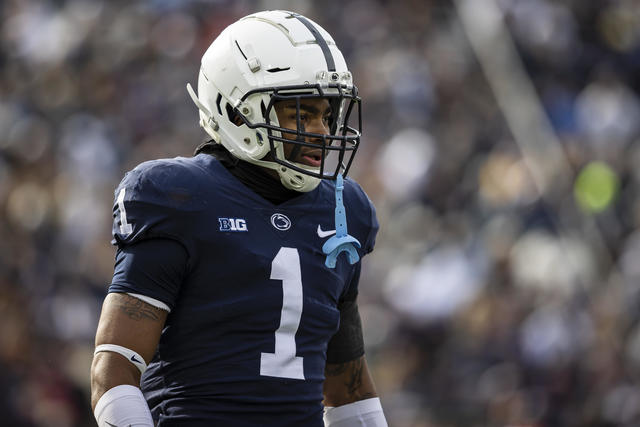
(322, 234)
(133, 359)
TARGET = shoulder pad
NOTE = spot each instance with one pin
(154, 199)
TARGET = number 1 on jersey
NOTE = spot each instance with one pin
(284, 363)
(125, 227)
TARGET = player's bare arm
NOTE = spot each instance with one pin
(347, 382)
(133, 324)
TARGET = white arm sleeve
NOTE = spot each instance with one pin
(123, 405)
(363, 413)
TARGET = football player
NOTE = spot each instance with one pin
(233, 300)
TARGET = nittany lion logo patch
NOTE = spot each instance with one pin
(280, 221)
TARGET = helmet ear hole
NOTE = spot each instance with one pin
(233, 116)
(218, 99)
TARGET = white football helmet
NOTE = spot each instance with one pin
(269, 57)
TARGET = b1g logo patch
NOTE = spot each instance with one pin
(232, 224)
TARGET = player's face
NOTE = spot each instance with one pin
(315, 116)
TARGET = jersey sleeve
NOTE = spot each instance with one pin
(348, 342)
(152, 202)
(363, 224)
(152, 216)
(154, 268)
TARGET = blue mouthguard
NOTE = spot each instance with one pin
(341, 242)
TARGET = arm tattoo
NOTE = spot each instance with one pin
(354, 379)
(137, 310)
(352, 373)
(333, 369)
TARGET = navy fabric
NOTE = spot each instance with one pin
(156, 265)
(213, 244)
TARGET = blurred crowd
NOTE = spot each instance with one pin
(489, 301)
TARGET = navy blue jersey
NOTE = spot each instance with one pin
(253, 305)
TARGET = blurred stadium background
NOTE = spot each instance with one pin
(502, 144)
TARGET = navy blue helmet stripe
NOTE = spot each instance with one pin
(331, 65)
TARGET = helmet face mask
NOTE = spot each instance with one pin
(267, 59)
(335, 149)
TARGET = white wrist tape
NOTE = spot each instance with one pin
(123, 405)
(131, 355)
(363, 413)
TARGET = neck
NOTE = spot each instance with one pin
(263, 181)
